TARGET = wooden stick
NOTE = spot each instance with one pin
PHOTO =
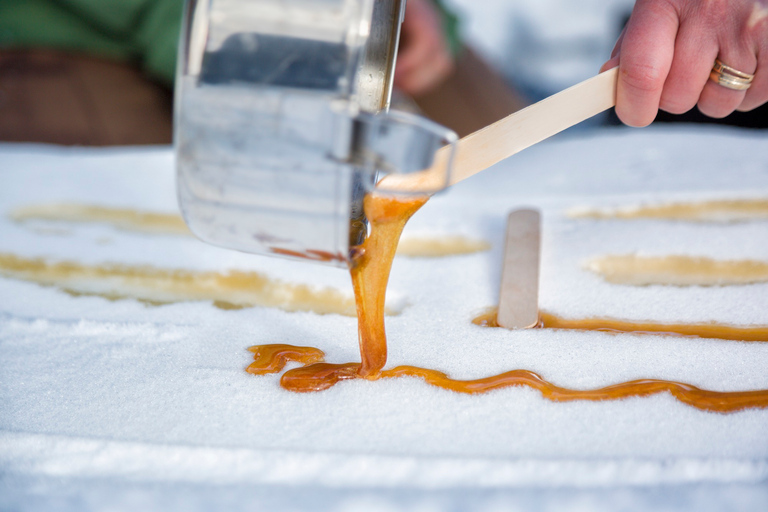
(519, 292)
(514, 133)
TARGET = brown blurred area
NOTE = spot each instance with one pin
(473, 96)
(64, 98)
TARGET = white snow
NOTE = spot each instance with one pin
(102, 399)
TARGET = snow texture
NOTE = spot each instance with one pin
(105, 399)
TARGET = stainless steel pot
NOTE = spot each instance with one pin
(282, 122)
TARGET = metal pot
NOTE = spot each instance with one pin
(282, 122)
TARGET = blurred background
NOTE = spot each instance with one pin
(88, 72)
(544, 46)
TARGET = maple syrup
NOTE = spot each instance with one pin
(370, 273)
(126, 219)
(437, 247)
(318, 375)
(712, 330)
(721, 210)
(156, 223)
(677, 270)
(156, 286)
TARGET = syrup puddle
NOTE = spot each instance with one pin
(156, 223)
(155, 286)
(711, 330)
(677, 270)
(121, 218)
(370, 272)
(722, 211)
(317, 375)
(436, 247)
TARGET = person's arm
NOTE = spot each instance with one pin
(668, 49)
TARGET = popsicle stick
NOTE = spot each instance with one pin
(519, 293)
(514, 133)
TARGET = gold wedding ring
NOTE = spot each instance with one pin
(730, 78)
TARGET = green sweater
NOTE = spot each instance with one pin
(142, 31)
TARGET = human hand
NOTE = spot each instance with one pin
(667, 50)
(424, 59)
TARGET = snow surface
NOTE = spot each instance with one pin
(103, 400)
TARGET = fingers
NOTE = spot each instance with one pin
(645, 60)
(424, 59)
(667, 51)
(614, 60)
(757, 94)
(414, 52)
(420, 79)
(757, 24)
(718, 101)
(617, 46)
(695, 52)
(422, 65)
(734, 50)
